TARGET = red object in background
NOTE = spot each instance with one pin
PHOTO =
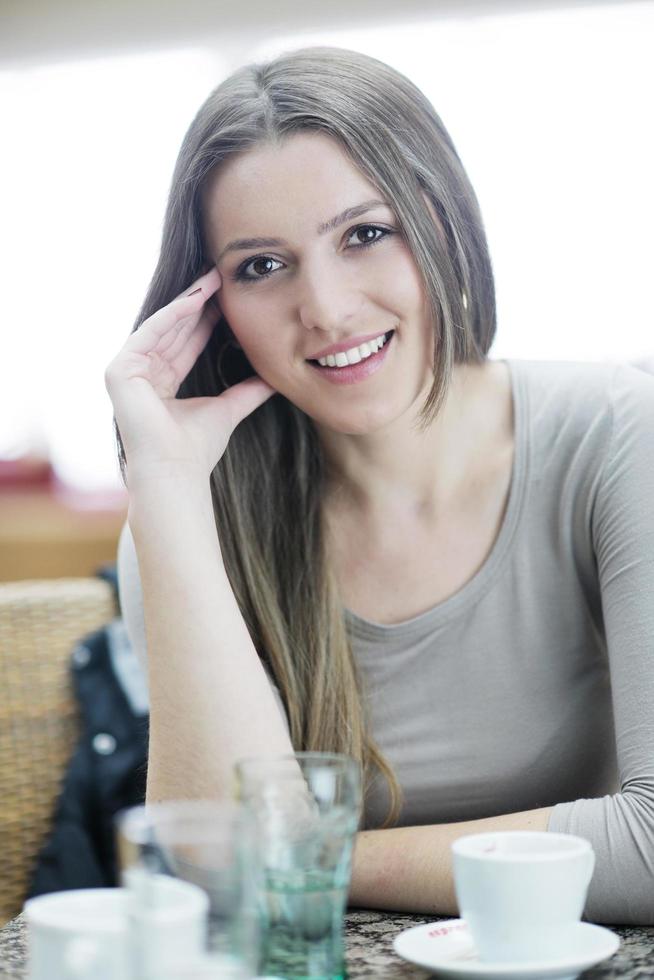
(37, 475)
(26, 471)
(49, 529)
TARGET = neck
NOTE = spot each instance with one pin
(403, 467)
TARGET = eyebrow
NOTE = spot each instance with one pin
(243, 244)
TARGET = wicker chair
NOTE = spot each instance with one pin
(40, 622)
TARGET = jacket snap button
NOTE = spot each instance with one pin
(81, 656)
(104, 744)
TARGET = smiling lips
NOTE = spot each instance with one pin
(340, 356)
(354, 364)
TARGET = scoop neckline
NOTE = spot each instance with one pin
(473, 590)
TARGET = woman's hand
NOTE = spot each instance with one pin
(162, 434)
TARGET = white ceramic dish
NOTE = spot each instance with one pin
(447, 949)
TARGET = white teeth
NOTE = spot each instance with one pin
(354, 354)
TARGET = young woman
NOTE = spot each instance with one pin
(355, 531)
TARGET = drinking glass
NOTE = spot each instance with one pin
(187, 870)
(306, 808)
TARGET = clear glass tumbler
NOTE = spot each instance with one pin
(307, 809)
(188, 872)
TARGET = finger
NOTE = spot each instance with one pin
(190, 343)
(243, 398)
(224, 412)
(209, 282)
(159, 330)
(176, 340)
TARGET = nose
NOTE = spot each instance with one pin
(329, 298)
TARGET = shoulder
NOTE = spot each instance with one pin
(578, 423)
(572, 396)
(632, 397)
(630, 450)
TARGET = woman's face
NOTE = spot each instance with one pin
(312, 259)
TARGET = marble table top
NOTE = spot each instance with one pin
(370, 956)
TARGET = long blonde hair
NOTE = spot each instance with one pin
(269, 487)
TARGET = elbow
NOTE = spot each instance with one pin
(622, 889)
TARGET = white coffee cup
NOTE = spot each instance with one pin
(167, 922)
(116, 933)
(77, 935)
(522, 893)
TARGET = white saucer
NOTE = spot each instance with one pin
(446, 948)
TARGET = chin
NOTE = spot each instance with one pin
(364, 422)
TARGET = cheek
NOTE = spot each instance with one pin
(401, 288)
(256, 324)
(248, 317)
(395, 277)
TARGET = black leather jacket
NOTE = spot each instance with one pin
(106, 772)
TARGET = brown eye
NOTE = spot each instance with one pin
(262, 266)
(367, 235)
(254, 270)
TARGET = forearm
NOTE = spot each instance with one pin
(211, 702)
(409, 869)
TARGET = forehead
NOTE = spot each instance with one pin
(276, 188)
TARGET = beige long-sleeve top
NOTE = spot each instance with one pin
(533, 685)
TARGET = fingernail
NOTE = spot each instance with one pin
(198, 290)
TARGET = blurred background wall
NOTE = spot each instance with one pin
(549, 104)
